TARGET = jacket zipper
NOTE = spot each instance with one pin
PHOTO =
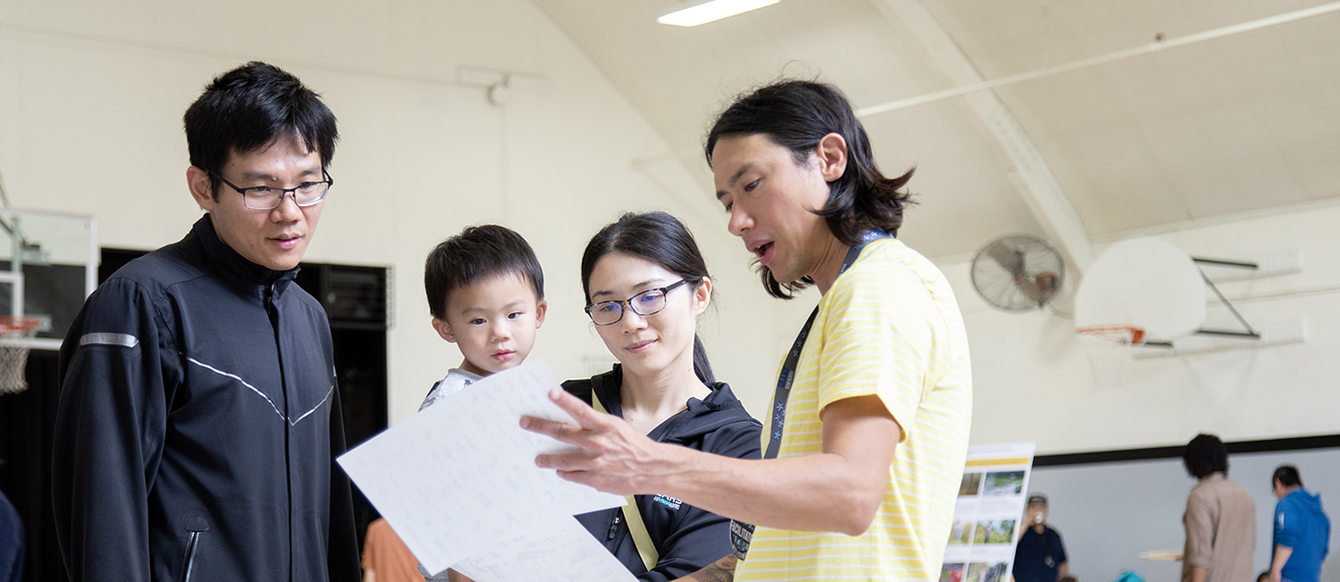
(190, 557)
(272, 311)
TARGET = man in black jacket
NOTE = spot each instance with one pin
(199, 412)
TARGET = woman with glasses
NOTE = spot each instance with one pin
(646, 283)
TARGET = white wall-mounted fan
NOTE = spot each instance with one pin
(1018, 272)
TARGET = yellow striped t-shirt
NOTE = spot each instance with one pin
(889, 326)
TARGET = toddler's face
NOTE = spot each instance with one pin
(493, 322)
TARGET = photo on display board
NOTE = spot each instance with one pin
(994, 532)
(971, 485)
(961, 533)
(982, 572)
(951, 573)
(1004, 483)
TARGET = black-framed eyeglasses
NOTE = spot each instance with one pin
(649, 302)
(267, 198)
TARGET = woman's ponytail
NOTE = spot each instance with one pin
(701, 366)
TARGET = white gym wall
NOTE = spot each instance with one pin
(92, 94)
(91, 97)
(1032, 380)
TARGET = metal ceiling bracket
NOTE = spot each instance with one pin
(1247, 332)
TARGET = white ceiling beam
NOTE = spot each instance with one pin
(1158, 44)
(1038, 187)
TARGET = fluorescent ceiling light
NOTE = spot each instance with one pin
(712, 11)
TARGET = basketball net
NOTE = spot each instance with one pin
(14, 330)
(1107, 349)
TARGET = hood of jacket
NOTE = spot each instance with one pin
(702, 416)
(1304, 500)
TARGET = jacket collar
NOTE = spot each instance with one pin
(607, 385)
(698, 417)
(235, 269)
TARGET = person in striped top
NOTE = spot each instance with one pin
(868, 433)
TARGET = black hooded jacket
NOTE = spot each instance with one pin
(686, 537)
(198, 419)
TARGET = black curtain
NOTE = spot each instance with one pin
(26, 421)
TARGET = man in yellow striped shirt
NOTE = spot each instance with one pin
(865, 446)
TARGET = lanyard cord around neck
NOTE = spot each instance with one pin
(742, 533)
(787, 376)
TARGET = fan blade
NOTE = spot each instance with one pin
(1009, 259)
(1038, 288)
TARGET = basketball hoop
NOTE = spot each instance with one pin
(1105, 346)
(14, 330)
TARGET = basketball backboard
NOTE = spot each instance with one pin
(1146, 283)
(48, 266)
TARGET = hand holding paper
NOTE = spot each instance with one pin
(607, 455)
(458, 480)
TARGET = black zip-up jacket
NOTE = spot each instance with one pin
(198, 421)
(686, 537)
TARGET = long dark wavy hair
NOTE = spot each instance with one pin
(797, 114)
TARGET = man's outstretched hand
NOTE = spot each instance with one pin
(611, 456)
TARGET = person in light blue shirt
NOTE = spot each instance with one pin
(1302, 533)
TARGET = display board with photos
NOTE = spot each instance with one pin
(990, 503)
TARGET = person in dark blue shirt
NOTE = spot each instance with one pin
(11, 541)
(1040, 555)
(1302, 532)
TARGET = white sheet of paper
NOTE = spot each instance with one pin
(459, 478)
(554, 550)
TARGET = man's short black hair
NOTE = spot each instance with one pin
(1204, 456)
(477, 253)
(251, 107)
(1288, 476)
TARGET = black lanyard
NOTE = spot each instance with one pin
(787, 376)
(741, 534)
